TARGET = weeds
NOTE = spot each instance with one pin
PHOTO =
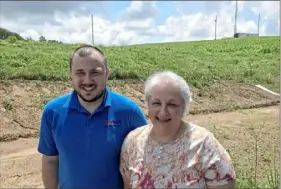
(7, 103)
(272, 179)
(43, 101)
(251, 60)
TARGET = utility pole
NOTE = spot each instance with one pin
(92, 30)
(235, 22)
(259, 25)
(216, 27)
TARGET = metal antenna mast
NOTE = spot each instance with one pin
(92, 30)
(235, 22)
(216, 26)
(259, 25)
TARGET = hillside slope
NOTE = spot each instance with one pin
(251, 60)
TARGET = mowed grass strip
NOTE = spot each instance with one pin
(252, 60)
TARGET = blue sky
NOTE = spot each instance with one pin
(167, 8)
(134, 22)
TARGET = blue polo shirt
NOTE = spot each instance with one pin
(88, 146)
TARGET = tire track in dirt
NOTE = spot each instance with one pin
(25, 153)
(20, 164)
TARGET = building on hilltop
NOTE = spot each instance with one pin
(238, 35)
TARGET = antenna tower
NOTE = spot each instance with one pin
(92, 29)
(235, 22)
(216, 26)
(259, 25)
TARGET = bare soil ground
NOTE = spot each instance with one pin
(22, 103)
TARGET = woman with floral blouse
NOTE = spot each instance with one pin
(171, 153)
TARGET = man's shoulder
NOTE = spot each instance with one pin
(121, 100)
(57, 102)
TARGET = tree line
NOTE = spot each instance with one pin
(5, 34)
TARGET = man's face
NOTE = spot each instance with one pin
(89, 76)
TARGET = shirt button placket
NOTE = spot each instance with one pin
(88, 122)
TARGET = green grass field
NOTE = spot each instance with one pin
(252, 60)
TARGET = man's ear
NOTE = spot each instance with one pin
(70, 73)
(107, 72)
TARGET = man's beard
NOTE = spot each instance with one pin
(96, 98)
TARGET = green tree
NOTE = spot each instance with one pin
(4, 34)
(42, 39)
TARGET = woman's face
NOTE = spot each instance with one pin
(166, 106)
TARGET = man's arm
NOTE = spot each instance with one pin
(138, 118)
(47, 147)
(50, 171)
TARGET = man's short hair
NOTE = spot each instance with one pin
(82, 52)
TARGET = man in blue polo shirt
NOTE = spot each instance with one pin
(82, 132)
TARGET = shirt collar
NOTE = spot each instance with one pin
(73, 102)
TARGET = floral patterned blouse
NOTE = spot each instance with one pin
(194, 160)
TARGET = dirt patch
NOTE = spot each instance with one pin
(22, 101)
(21, 163)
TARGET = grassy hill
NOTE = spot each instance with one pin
(251, 60)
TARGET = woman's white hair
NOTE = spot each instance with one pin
(155, 78)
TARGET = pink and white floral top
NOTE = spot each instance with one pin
(194, 160)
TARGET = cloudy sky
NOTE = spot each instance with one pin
(135, 22)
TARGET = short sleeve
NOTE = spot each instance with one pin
(47, 145)
(124, 160)
(216, 163)
(138, 118)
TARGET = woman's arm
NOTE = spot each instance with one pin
(126, 182)
(217, 165)
(231, 185)
(124, 163)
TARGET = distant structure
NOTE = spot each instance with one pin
(238, 35)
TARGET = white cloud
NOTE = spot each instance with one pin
(77, 29)
(270, 9)
(146, 23)
(137, 24)
(190, 27)
(140, 10)
(33, 33)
